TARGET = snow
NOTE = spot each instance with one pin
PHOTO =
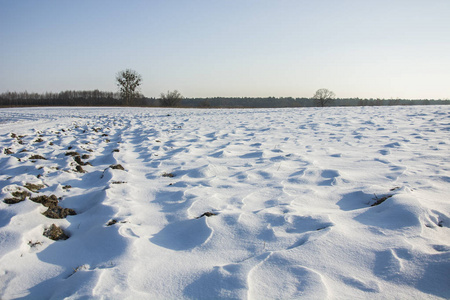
(290, 192)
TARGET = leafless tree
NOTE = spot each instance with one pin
(171, 99)
(324, 97)
(128, 82)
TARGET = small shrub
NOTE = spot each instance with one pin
(34, 244)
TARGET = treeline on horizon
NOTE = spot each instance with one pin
(101, 98)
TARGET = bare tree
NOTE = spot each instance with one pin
(324, 96)
(171, 99)
(128, 82)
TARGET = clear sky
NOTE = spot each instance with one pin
(242, 48)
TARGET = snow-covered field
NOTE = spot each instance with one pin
(289, 196)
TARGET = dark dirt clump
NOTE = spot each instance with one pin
(55, 233)
(72, 153)
(112, 222)
(54, 211)
(117, 167)
(12, 200)
(37, 156)
(39, 140)
(47, 201)
(66, 187)
(18, 196)
(80, 162)
(21, 194)
(58, 212)
(207, 214)
(79, 169)
(8, 151)
(85, 156)
(34, 187)
(116, 150)
(170, 175)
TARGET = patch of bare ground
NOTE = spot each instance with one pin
(55, 233)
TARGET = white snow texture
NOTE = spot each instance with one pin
(307, 203)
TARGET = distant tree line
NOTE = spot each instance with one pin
(68, 98)
(99, 98)
(270, 102)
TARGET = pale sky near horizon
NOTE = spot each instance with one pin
(229, 48)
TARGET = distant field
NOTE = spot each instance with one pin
(339, 203)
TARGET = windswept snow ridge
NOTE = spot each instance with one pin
(334, 203)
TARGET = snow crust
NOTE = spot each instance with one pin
(290, 192)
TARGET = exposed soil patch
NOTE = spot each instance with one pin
(170, 175)
(58, 212)
(47, 201)
(12, 200)
(79, 169)
(378, 201)
(18, 196)
(8, 151)
(112, 222)
(72, 153)
(207, 214)
(54, 211)
(55, 233)
(37, 156)
(80, 162)
(39, 140)
(66, 187)
(118, 182)
(117, 167)
(85, 156)
(21, 194)
(34, 187)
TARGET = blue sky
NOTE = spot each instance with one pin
(241, 48)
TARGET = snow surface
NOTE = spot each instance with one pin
(292, 190)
